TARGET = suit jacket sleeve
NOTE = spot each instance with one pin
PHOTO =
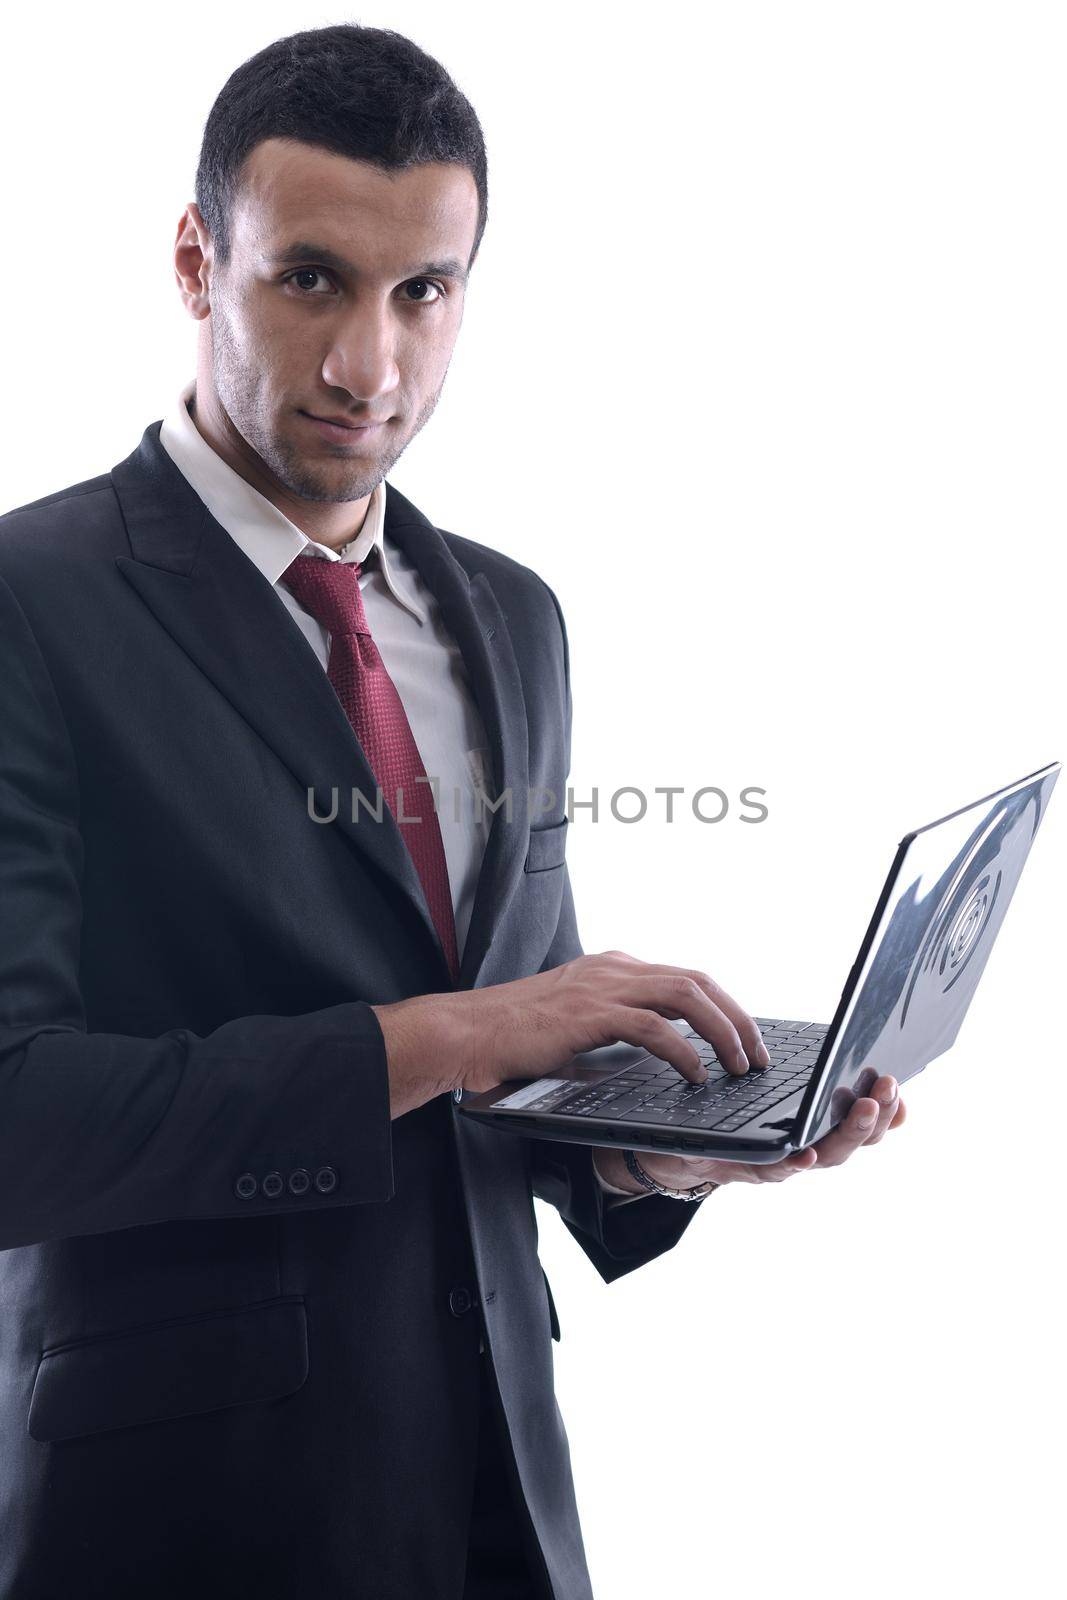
(100, 1131)
(615, 1238)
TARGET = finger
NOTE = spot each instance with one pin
(641, 1026)
(804, 1159)
(844, 1140)
(788, 1166)
(749, 1038)
(674, 994)
(899, 1115)
(747, 1030)
(886, 1091)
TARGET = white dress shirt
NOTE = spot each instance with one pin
(419, 654)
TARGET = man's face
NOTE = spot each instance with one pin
(342, 298)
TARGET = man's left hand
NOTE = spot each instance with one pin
(868, 1120)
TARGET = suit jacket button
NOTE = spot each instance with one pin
(299, 1180)
(326, 1180)
(273, 1184)
(246, 1186)
(460, 1300)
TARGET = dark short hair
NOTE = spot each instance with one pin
(367, 93)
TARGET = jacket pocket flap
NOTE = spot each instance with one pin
(174, 1369)
(548, 847)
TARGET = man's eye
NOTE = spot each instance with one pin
(305, 272)
(425, 283)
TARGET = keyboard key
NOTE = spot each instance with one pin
(619, 1108)
(710, 1117)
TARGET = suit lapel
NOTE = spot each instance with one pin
(218, 607)
(472, 614)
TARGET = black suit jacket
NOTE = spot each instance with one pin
(234, 1355)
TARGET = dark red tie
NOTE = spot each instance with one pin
(330, 591)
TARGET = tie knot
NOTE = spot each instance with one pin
(330, 591)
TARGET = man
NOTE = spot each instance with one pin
(274, 1322)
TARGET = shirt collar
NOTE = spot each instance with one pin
(265, 534)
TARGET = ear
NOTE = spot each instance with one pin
(192, 253)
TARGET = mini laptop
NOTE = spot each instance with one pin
(902, 1004)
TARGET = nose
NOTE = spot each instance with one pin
(362, 357)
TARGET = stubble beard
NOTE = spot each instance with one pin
(238, 391)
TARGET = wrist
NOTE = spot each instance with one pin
(653, 1182)
(427, 1045)
(611, 1166)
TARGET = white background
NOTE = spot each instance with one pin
(764, 353)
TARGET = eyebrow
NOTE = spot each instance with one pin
(306, 250)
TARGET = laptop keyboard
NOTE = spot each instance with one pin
(653, 1092)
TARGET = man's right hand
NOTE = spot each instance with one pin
(476, 1038)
